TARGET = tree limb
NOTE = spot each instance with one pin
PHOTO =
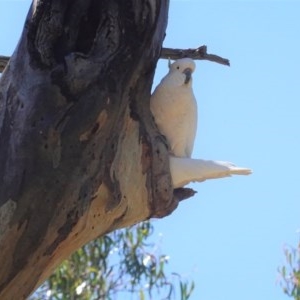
(199, 53)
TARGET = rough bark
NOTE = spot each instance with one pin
(80, 154)
(3, 62)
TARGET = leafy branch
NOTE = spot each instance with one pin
(290, 273)
(113, 266)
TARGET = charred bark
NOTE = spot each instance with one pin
(80, 154)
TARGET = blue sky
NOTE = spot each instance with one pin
(229, 238)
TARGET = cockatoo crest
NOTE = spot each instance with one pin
(169, 63)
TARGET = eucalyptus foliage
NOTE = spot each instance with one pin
(290, 273)
(122, 263)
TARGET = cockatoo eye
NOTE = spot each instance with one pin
(178, 68)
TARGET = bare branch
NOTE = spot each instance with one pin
(199, 53)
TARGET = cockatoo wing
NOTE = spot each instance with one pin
(175, 113)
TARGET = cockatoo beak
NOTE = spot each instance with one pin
(188, 75)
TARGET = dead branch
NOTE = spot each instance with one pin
(199, 53)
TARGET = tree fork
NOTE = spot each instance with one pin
(80, 154)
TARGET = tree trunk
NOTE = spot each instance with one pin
(80, 154)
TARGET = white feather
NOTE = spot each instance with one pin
(174, 108)
(185, 170)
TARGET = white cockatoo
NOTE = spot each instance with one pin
(174, 108)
